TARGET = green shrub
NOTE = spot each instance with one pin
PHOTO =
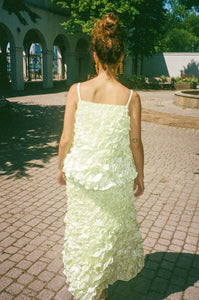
(186, 78)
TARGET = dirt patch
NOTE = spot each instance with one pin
(173, 120)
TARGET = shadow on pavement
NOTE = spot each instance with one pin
(164, 273)
(29, 136)
(34, 88)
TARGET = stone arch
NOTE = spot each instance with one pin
(33, 62)
(61, 52)
(82, 59)
(6, 62)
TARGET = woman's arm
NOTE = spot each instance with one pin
(68, 131)
(136, 143)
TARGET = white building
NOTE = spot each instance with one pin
(74, 60)
(172, 64)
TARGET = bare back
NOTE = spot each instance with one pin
(100, 90)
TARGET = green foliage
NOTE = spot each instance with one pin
(17, 7)
(179, 40)
(177, 10)
(187, 78)
(190, 4)
(136, 82)
(81, 14)
(142, 21)
(173, 80)
(147, 25)
(163, 78)
(181, 27)
(191, 23)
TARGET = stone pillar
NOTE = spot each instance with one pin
(47, 68)
(4, 81)
(72, 75)
(59, 64)
(24, 66)
(17, 79)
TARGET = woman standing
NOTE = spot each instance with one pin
(101, 155)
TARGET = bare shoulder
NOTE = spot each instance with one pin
(72, 95)
(123, 91)
(135, 104)
(135, 99)
(87, 88)
(73, 89)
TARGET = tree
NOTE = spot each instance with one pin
(181, 27)
(17, 7)
(180, 40)
(191, 4)
(148, 27)
(191, 24)
(141, 21)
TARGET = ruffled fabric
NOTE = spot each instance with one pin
(102, 239)
(100, 156)
(102, 242)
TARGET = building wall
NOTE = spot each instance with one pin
(47, 29)
(171, 64)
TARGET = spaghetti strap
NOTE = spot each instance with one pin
(78, 91)
(131, 94)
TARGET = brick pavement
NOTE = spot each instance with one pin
(33, 206)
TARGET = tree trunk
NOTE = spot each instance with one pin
(135, 64)
(141, 64)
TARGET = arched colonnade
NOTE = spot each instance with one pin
(40, 56)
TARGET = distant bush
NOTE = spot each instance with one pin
(142, 82)
(186, 78)
(137, 82)
(158, 83)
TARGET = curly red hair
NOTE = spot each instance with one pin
(107, 40)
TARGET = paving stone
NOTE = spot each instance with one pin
(160, 247)
(63, 294)
(191, 293)
(37, 285)
(46, 294)
(16, 257)
(25, 279)
(15, 288)
(24, 264)
(176, 296)
(23, 297)
(34, 255)
(46, 275)
(14, 273)
(33, 207)
(7, 241)
(37, 267)
(6, 296)
(5, 266)
(56, 283)
(55, 265)
(4, 282)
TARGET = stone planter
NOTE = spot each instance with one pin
(180, 85)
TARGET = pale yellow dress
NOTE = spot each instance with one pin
(103, 243)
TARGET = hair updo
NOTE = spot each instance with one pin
(107, 40)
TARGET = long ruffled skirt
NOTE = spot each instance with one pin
(103, 243)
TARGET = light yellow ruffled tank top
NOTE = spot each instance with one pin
(100, 156)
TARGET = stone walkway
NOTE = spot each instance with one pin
(33, 205)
